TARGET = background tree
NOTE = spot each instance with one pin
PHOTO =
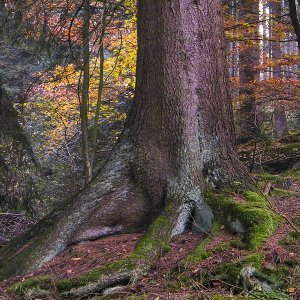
(294, 19)
(249, 55)
(280, 128)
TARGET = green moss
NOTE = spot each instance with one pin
(40, 282)
(294, 173)
(254, 197)
(230, 272)
(293, 132)
(268, 177)
(259, 220)
(289, 242)
(135, 297)
(273, 295)
(285, 193)
(222, 247)
(220, 297)
(199, 253)
(153, 242)
(63, 285)
(151, 245)
(178, 282)
(270, 295)
(238, 243)
(281, 274)
(297, 221)
(283, 149)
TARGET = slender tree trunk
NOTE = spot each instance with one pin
(297, 120)
(18, 20)
(247, 127)
(100, 88)
(280, 128)
(84, 103)
(2, 18)
(178, 139)
(295, 20)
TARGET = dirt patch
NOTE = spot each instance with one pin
(182, 246)
(287, 206)
(274, 251)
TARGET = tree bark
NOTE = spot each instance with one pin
(247, 127)
(2, 18)
(280, 128)
(84, 103)
(178, 139)
(295, 20)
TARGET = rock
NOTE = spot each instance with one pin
(237, 227)
(203, 218)
(254, 281)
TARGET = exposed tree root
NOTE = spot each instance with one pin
(96, 287)
(253, 216)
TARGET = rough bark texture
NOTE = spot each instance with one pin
(249, 59)
(179, 138)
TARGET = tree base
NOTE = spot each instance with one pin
(257, 221)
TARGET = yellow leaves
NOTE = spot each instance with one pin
(76, 258)
(291, 290)
(55, 101)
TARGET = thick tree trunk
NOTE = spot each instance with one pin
(247, 127)
(178, 139)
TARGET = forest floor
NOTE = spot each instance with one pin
(173, 277)
(167, 280)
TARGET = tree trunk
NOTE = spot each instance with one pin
(247, 127)
(84, 103)
(295, 20)
(2, 18)
(280, 128)
(178, 139)
(18, 20)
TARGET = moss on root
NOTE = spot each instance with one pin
(255, 215)
(230, 272)
(39, 282)
(153, 244)
(201, 252)
(50, 283)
